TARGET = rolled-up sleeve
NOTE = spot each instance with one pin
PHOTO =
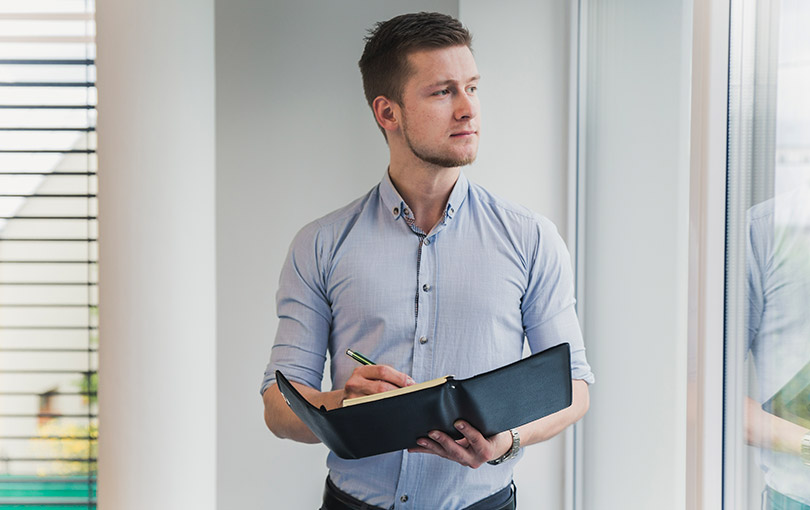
(549, 316)
(304, 314)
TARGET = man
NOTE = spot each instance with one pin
(778, 291)
(428, 275)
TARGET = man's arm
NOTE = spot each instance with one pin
(283, 422)
(766, 430)
(365, 380)
(473, 450)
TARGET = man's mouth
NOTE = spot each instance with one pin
(463, 133)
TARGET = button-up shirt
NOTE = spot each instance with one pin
(458, 300)
(778, 283)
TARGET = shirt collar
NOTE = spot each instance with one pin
(396, 206)
(457, 196)
(390, 197)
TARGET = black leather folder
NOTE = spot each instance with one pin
(792, 401)
(492, 402)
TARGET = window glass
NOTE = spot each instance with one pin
(768, 257)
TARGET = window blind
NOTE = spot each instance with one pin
(48, 255)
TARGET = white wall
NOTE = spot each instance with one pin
(636, 247)
(157, 378)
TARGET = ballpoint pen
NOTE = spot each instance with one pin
(359, 357)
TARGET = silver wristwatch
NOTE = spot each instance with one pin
(806, 449)
(512, 453)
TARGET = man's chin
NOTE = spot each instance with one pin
(448, 162)
(447, 159)
(465, 161)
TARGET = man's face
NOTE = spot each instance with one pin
(440, 108)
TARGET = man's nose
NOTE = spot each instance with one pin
(466, 106)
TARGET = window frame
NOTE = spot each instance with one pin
(707, 252)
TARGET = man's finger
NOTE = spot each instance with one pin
(475, 439)
(453, 450)
(385, 373)
(373, 379)
(358, 386)
(444, 446)
(463, 442)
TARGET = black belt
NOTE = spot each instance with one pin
(336, 499)
(777, 501)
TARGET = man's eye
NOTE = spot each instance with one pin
(441, 92)
(472, 89)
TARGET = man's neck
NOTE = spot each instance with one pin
(426, 189)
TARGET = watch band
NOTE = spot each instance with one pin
(806, 449)
(512, 452)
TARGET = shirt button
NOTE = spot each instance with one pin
(452, 210)
(404, 498)
(423, 340)
(406, 211)
(396, 211)
(426, 287)
(427, 241)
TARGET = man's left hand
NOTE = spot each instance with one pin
(472, 450)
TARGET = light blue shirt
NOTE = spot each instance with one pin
(459, 300)
(778, 278)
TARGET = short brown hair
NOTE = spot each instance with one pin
(384, 64)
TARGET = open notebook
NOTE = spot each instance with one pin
(492, 402)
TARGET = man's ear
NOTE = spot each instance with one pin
(387, 113)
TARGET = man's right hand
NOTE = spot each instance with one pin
(372, 379)
(365, 380)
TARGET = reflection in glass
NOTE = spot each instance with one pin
(777, 264)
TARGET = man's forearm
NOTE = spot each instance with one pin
(765, 430)
(548, 427)
(283, 422)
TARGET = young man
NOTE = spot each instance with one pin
(778, 290)
(428, 275)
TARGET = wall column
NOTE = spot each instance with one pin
(635, 141)
(157, 381)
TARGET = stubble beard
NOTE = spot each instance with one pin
(437, 159)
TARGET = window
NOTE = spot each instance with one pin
(767, 339)
(48, 254)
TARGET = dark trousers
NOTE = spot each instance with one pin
(772, 500)
(336, 499)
